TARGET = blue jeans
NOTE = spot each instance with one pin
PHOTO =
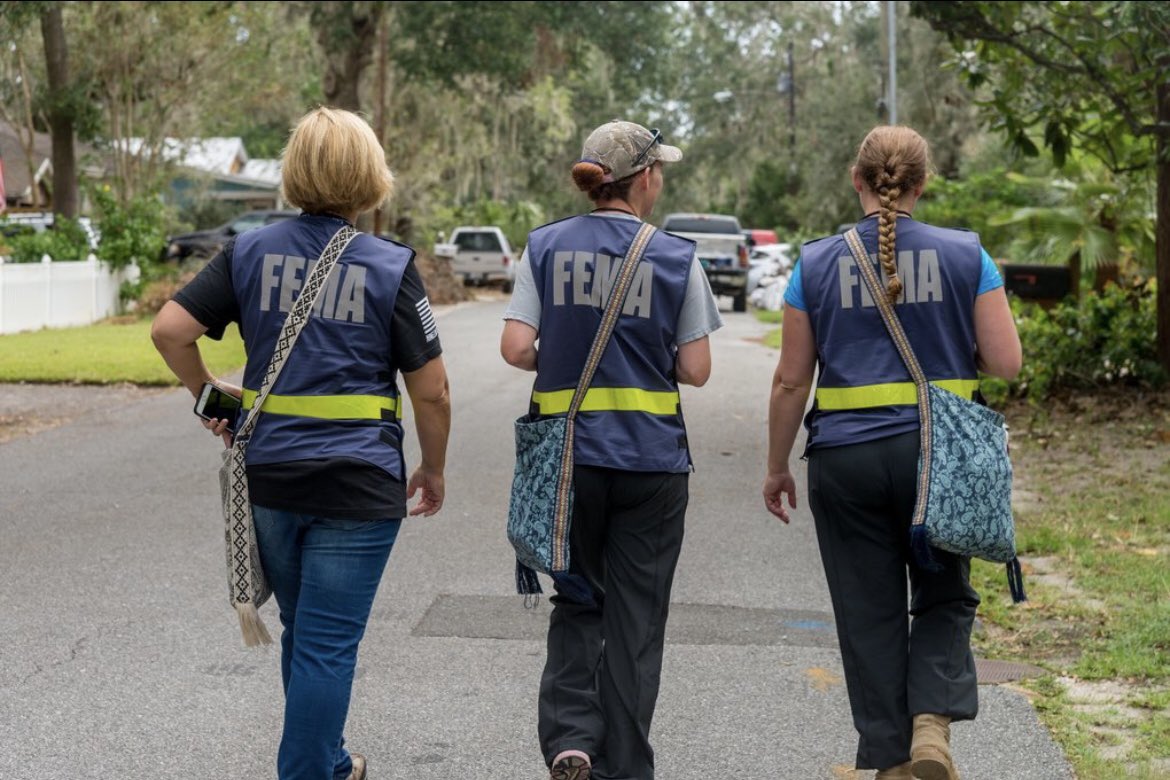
(324, 573)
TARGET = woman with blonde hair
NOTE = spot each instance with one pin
(325, 470)
(909, 673)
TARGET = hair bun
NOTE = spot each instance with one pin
(588, 175)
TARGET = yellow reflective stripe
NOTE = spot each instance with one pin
(830, 399)
(609, 399)
(325, 407)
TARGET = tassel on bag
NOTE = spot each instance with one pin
(1015, 577)
(526, 582)
(247, 587)
(252, 626)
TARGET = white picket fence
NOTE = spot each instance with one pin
(52, 294)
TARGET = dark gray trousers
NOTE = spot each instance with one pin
(862, 499)
(601, 676)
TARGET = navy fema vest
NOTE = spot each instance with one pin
(337, 396)
(864, 391)
(631, 417)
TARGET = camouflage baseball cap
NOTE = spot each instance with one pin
(624, 148)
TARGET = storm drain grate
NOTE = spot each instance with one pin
(995, 672)
(504, 617)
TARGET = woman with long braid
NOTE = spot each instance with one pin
(909, 672)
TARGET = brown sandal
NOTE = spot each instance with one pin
(570, 768)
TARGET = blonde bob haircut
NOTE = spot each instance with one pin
(333, 163)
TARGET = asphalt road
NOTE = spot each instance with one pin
(119, 657)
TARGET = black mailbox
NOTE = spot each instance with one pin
(1037, 282)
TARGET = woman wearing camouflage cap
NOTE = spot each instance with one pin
(631, 459)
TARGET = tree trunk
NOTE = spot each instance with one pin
(342, 75)
(60, 114)
(1162, 225)
(28, 135)
(1074, 275)
(1162, 241)
(1104, 274)
(346, 55)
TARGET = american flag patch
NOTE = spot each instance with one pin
(427, 317)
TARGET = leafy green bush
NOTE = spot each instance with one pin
(66, 240)
(977, 202)
(131, 233)
(1105, 339)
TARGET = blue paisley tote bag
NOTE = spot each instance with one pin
(544, 468)
(969, 485)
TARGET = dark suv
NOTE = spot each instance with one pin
(203, 244)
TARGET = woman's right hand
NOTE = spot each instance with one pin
(219, 428)
(776, 485)
(433, 490)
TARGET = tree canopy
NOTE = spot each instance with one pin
(1092, 76)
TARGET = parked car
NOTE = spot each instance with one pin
(757, 237)
(479, 255)
(203, 244)
(14, 223)
(721, 248)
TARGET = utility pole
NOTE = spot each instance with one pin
(380, 116)
(791, 103)
(891, 25)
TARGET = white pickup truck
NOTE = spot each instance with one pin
(479, 254)
(722, 250)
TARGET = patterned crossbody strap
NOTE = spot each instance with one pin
(609, 318)
(295, 321)
(898, 334)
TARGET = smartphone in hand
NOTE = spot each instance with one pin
(217, 404)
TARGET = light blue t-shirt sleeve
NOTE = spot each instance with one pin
(989, 277)
(794, 294)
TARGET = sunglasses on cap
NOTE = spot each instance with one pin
(655, 138)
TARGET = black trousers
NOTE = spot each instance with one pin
(601, 676)
(862, 499)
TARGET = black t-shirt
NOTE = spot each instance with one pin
(330, 487)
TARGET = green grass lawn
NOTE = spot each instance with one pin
(106, 353)
(772, 337)
(1096, 476)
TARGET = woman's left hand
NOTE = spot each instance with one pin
(432, 487)
(776, 485)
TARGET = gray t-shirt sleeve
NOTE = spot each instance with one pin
(700, 313)
(525, 304)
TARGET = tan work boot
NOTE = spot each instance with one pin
(899, 772)
(359, 766)
(930, 748)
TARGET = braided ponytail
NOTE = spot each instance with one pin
(888, 195)
(891, 162)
